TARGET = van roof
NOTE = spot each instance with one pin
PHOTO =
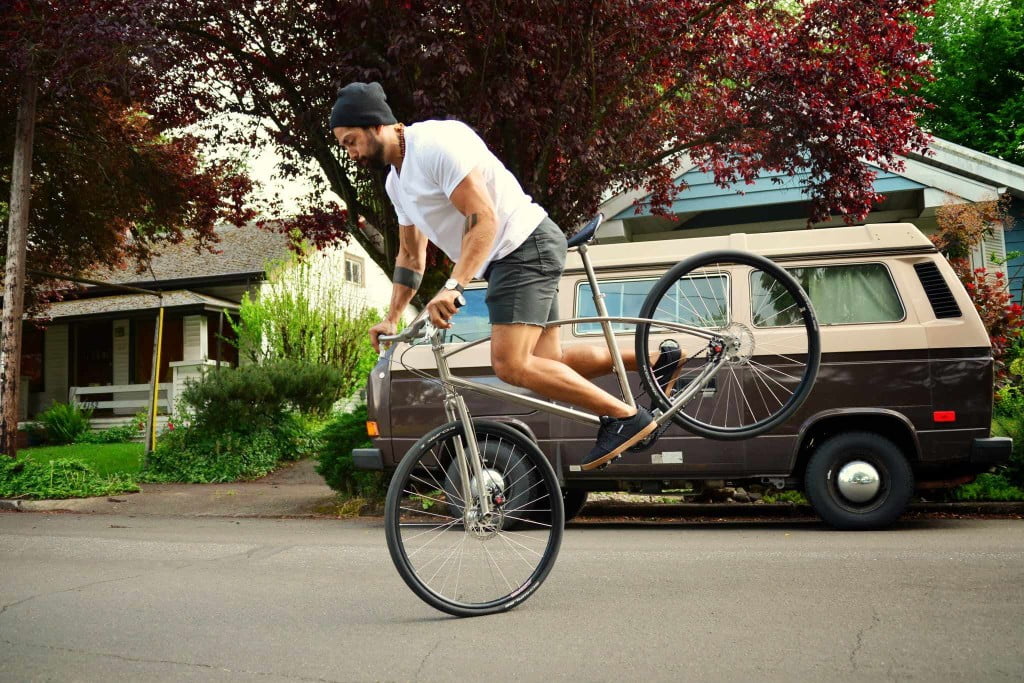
(855, 239)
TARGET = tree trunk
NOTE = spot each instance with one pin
(14, 268)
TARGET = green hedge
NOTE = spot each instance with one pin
(342, 433)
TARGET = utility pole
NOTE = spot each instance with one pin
(14, 267)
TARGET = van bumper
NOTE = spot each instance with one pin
(369, 459)
(993, 451)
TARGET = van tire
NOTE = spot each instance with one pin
(896, 481)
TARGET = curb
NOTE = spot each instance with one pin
(611, 509)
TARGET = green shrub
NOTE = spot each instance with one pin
(62, 478)
(340, 435)
(64, 423)
(119, 434)
(792, 497)
(258, 395)
(987, 486)
(191, 454)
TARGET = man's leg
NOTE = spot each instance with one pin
(514, 357)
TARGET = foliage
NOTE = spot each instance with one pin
(64, 423)
(194, 452)
(1008, 420)
(308, 313)
(118, 434)
(104, 459)
(961, 228)
(242, 422)
(61, 478)
(978, 90)
(791, 497)
(995, 487)
(107, 177)
(340, 435)
(576, 97)
(259, 395)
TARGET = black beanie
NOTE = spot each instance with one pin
(361, 104)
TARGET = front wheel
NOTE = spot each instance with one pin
(452, 556)
(754, 319)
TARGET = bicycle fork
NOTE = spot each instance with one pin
(470, 463)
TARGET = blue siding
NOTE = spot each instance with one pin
(769, 188)
(1015, 242)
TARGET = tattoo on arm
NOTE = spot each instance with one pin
(408, 277)
(471, 221)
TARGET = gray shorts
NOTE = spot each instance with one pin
(522, 287)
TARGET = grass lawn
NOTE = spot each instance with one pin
(104, 458)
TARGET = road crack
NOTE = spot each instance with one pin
(875, 621)
(426, 657)
(66, 590)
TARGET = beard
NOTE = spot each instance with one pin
(374, 159)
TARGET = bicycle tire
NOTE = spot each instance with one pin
(541, 511)
(790, 371)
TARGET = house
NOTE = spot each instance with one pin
(98, 347)
(949, 174)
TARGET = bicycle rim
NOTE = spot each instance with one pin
(447, 554)
(771, 351)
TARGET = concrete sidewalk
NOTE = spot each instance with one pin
(295, 490)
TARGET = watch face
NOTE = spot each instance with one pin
(451, 284)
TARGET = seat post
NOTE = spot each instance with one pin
(602, 311)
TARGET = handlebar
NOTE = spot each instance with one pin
(416, 327)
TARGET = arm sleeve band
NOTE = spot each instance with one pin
(408, 277)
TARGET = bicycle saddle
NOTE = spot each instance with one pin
(585, 235)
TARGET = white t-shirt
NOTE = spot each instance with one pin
(438, 156)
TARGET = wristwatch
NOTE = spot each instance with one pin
(452, 283)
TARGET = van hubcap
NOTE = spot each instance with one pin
(858, 481)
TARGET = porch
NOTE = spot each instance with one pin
(105, 358)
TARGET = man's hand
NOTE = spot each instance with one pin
(384, 327)
(442, 307)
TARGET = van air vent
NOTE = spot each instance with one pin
(942, 301)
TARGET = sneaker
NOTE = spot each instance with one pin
(616, 435)
(666, 369)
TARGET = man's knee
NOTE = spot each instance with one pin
(508, 370)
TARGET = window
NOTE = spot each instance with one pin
(472, 322)
(698, 301)
(841, 295)
(354, 270)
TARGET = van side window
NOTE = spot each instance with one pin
(472, 321)
(840, 294)
(624, 298)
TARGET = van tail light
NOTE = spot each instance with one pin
(944, 416)
(371, 428)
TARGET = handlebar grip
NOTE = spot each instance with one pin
(460, 301)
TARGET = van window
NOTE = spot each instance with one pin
(624, 298)
(840, 294)
(472, 321)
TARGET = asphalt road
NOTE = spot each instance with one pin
(96, 598)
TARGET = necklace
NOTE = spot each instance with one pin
(400, 129)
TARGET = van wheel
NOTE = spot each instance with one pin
(573, 501)
(859, 481)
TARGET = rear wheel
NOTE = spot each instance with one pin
(859, 481)
(769, 355)
(451, 555)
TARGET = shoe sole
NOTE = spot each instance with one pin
(594, 464)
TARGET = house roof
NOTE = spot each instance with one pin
(241, 251)
(109, 306)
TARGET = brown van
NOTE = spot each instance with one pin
(903, 396)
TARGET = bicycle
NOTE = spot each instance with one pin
(474, 515)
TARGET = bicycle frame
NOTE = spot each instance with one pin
(456, 409)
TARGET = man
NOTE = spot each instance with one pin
(447, 187)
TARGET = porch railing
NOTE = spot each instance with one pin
(125, 398)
